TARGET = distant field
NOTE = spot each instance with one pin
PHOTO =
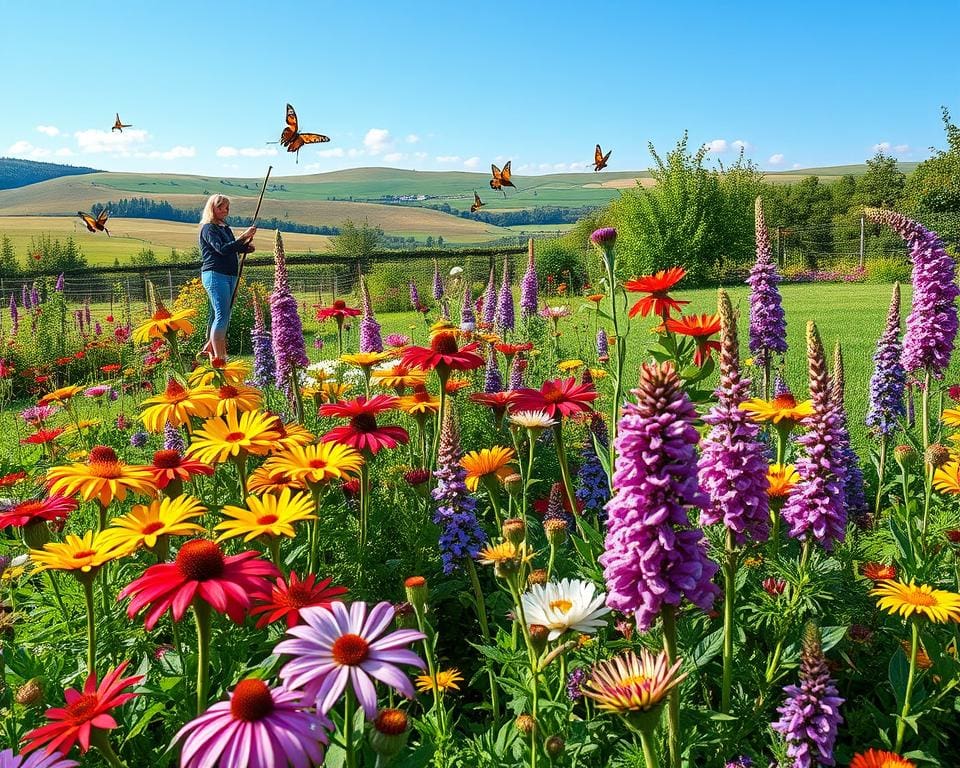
(129, 236)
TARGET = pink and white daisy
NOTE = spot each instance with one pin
(257, 727)
(338, 645)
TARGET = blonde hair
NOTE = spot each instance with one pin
(212, 201)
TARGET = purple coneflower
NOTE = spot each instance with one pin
(289, 347)
(654, 557)
(258, 727)
(36, 760)
(335, 646)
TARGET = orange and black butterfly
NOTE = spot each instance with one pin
(501, 179)
(600, 159)
(292, 139)
(118, 126)
(477, 203)
(98, 224)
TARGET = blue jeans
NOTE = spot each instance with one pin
(219, 288)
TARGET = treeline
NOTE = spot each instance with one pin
(45, 254)
(146, 208)
(546, 214)
(19, 173)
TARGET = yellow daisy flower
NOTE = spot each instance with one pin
(103, 477)
(781, 479)
(447, 679)
(233, 434)
(480, 464)
(144, 524)
(176, 404)
(60, 395)
(237, 397)
(83, 554)
(316, 464)
(163, 322)
(267, 516)
(233, 372)
(262, 480)
(569, 365)
(782, 409)
(937, 605)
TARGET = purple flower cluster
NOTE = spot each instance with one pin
(173, 439)
(593, 487)
(415, 297)
(555, 508)
(575, 681)
(854, 496)
(529, 289)
(855, 275)
(492, 380)
(505, 318)
(887, 384)
(816, 507)
(516, 373)
(654, 557)
(59, 285)
(932, 322)
(139, 439)
(370, 339)
(768, 324)
(603, 346)
(490, 299)
(810, 717)
(263, 364)
(437, 282)
(289, 347)
(461, 535)
(468, 320)
(732, 466)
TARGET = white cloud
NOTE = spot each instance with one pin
(246, 152)
(717, 145)
(412, 138)
(883, 146)
(332, 152)
(377, 140)
(49, 130)
(776, 159)
(888, 148)
(739, 144)
(170, 154)
(95, 142)
(393, 157)
(471, 162)
(795, 166)
(447, 158)
(64, 152)
(902, 149)
(26, 150)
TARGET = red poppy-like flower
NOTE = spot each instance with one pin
(363, 433)
(12, 479)
(6, 370)
(700, 329)
(498, 402)
(452, 386)
(286, 598)
(62, 361)
(37, 510)
(556, 397)
(83, 713)
(43, 436)
(111, 368)
(200, 572)
(169, 465)
(878, 571)
(338, 311)
(656, 286)
(443, 354)
(509, 350)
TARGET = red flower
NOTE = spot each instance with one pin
(509, 350)
(12, 479)
(170, 465)
(37, 510)
(443, 355)
(109, 318)
(557, 397)
(43, 436)
(954, 392)
(498, 402)
(878, 571)
(286, 598)
(84, 712)
(62, 361)
(339, 310)
(774, 587)
(6, 369)
(540, 506)
(363, 433)
(700, 328)
(656, 286)
(200, 572)
(111, 368)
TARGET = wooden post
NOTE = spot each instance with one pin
(862, 242)
(780, 247)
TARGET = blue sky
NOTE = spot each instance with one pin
(457, 85)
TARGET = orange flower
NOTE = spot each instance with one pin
(880, 758)
(656, 287)
(104, 477)
(700, 328)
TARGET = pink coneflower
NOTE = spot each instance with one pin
(363, 433)
(556, 398)
(34, 511)
(37, 760)
(286, 599)
(98, 390)
(336, 646)
(257, 727)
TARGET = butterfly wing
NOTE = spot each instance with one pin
(313, 138)
(505, 176)
(293, 142)
(102, 218)
(477, 203)
(292, 119)
(88, 220)
(597, 158)
(495, 181)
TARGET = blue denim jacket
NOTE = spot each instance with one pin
(219, 249)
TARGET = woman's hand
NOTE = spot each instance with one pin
(248, 234)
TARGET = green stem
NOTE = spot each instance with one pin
(565, 473)
(881, 469)
(273, 542)
(534, 734)
(201, 613)
(351, 761)
(431, 669)
(673, 706)
(87, 582)
(902, 722)
(314, 539)
(364, 501)
(57, 596)
(481, 607)
(766, 375)
(100, 740)
(927, 493)
(729, 596)
(649, 751)
(774, 664)
(925, 410)
(443, 375)
(550, 561)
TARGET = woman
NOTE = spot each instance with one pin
(218, 272)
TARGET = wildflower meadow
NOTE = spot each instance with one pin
(475, 541)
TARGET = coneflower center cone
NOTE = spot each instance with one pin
(83, 707)
(103, 462)
(251, 700)
(364, 422)
(166, 459)
(200, 560)
(349, 650)
(391, 722)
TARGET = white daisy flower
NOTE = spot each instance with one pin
(563, 605)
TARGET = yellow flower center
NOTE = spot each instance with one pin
(641, 680)
(561, 605)
(916, 596)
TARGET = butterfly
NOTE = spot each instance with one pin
(292, 139)
(96, 224)
(501, 179)
(600, 159)
(477, 202)
(118, 126)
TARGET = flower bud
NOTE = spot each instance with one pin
(554, 746)
(30, 693)
(537, 576)
(514, 530)
(507, 568)
(525, 724)
(774, 586)
(404, 616)
(513, 485)
(417, 592)
(556, 530)
(538, 637)
(36, 535)
(905, 455)
(937, 455)
(389, 732)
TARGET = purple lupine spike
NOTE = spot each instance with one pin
(504, 318)
(437, 281)
(654, 557)
(87, 316)
(854, 495)
(516, 373)
(732, 465)
(370, 338)
(593, 487)
(816, 508)
(468, 319)
(461, 535)
(932, 322)
(264, 367)
(603, 346)
(78, 319)
(810, 716)
(34, 297)
(97, 328)
(780, 387)
(887, 384)
(529, 288)
(59, 284)
(492, 381)
(415, 297)
(768, 324)
(490, 300)
(173, 439)
(289, 347)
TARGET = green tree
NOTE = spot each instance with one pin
(357, 242)
(145, 258)
(932, 192)
(9, 266)
(883, 183)
(843, 192)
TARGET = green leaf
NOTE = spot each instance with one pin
(707, 649)
(145, 719)
(897, 672)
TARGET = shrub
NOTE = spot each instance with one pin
(563, 260)
(193, 295)
(888, 270)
